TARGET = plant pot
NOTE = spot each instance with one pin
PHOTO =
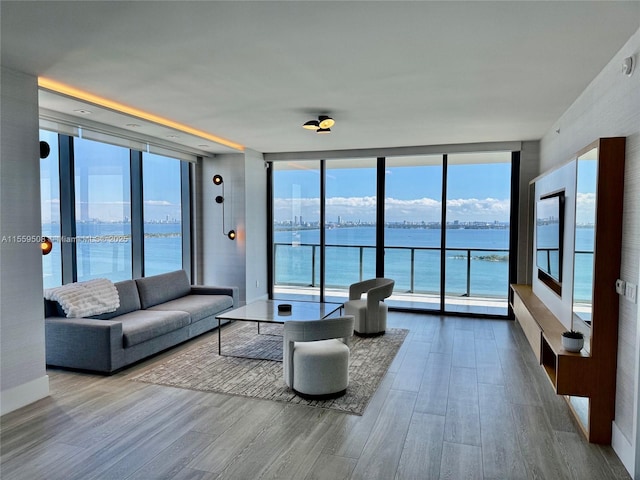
(572, 344)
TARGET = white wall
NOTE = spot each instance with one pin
(23, 376)
(610, 107)
(241, 262)
(256, 225)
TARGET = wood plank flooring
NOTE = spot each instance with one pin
(464, 398)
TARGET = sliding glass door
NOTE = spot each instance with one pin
(336, 222)
(477, 235)
(296, 229)
(350, 225)
(412, 233)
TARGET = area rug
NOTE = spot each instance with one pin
(201, 368)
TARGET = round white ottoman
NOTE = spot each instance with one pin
(320, 369)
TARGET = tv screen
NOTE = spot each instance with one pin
(549, 235)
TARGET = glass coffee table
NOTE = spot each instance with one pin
(266, 311)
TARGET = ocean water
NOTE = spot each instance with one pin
(351, 256)
(105, 251)
(350, 250)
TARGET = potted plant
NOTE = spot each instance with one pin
(572, 341)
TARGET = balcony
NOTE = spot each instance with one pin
(476, 278)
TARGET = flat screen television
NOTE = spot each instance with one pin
(549, 239)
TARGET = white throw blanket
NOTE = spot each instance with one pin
(83, 299)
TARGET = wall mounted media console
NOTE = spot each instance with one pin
(587, 379)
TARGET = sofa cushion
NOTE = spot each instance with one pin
(143, 325)
(162, 288)
(129, 300)
(198, 306)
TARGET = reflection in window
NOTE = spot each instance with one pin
(50, 208)
(296, 227)
(103, 210)
(162, 214)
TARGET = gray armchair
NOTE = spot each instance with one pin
(370, 313)
(316, 356)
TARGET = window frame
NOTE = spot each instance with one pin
(68, 230)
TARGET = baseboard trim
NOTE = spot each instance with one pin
(22, 395)
(623, 449)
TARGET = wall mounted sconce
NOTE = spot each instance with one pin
(217, 180)
(45, 149)
(46, 245)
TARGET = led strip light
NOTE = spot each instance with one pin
(73, 92)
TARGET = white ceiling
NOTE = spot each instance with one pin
(391, 73)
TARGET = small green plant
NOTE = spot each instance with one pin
(572, 334)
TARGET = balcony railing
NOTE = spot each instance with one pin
(470, 272)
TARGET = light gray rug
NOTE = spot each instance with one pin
(201, 368)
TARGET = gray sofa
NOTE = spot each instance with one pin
(155, 313)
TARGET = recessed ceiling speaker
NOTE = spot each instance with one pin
(627, 66)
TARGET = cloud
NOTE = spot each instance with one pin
(396, 210)
(585, 208)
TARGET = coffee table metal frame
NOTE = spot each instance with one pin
(266, 311)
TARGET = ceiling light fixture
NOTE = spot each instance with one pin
(322, 125)
(326, 121)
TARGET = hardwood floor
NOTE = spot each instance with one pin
(464, 398)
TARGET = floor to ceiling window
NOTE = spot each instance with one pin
(50, 210)
(296, 228)
(413, 235)
(451, 260)
(103, 210)
(161, 190)
(477, 235)
(350, 225)
(97, 230)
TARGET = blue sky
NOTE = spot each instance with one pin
(475, 193)
(413, 193)
(107, 189)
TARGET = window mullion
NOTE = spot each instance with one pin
(186, 216)
(443, 232)
(323, 212)
(137, 216)
(380, 203)
(67, 210)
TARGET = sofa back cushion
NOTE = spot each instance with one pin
(129, 300)
(162, 288)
